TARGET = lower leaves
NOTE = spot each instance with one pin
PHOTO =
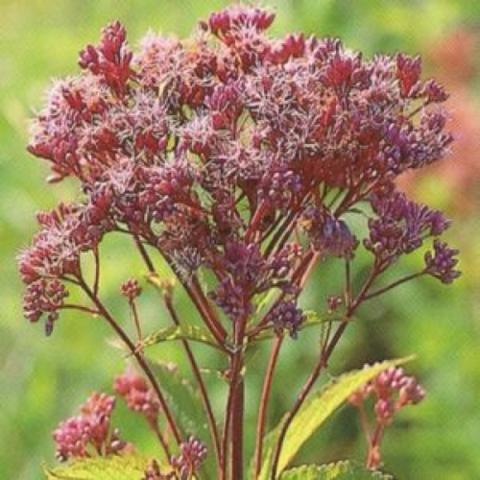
(334, 471)
(116, 467)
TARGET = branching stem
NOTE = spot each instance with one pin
(138, 356)
(201, 385)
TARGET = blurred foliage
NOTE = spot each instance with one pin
(42, 380)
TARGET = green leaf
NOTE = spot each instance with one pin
(334, 471)
(183, 399)
(186, 406)
(181, 332)
(315, 411)
(265, 299)
(125, 467)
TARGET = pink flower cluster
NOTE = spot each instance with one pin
(90, 433)
(138, 395)
(131, 289)
(392, 390)
(193, 453)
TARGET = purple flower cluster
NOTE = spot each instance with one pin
(441, 262)
(241, 161)
(286, 316)
(400, 227)
(89, 433)
(44, 296)
(138, 396)
(192, 454)
(247, 272)
(217, 149)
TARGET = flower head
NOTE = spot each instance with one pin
(218, 149)
(131, 289)
(286, 316)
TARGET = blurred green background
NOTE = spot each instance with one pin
(43, 380)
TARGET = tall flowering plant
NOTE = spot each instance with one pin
(243, 162)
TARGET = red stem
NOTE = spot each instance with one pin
(210, 317)
(256, 219)
(322, 362)
(203, 391)
(136, 319)
(191, 358)
(305, 390)
(154, 426)
(195, 294)
(364, 423)
(238, 408)
(96, 281)
(138, 356)
(263, 405)
(373, 456)
(81, 308)
(233, 428)
(380, 291)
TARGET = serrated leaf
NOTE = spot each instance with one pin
(125, 467)
(344, 470)
(316, 411)
(179, 332)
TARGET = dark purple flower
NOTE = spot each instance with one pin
(400, 227)
(286, 316)
(434, 92)
(441, 262)
(44, 296)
